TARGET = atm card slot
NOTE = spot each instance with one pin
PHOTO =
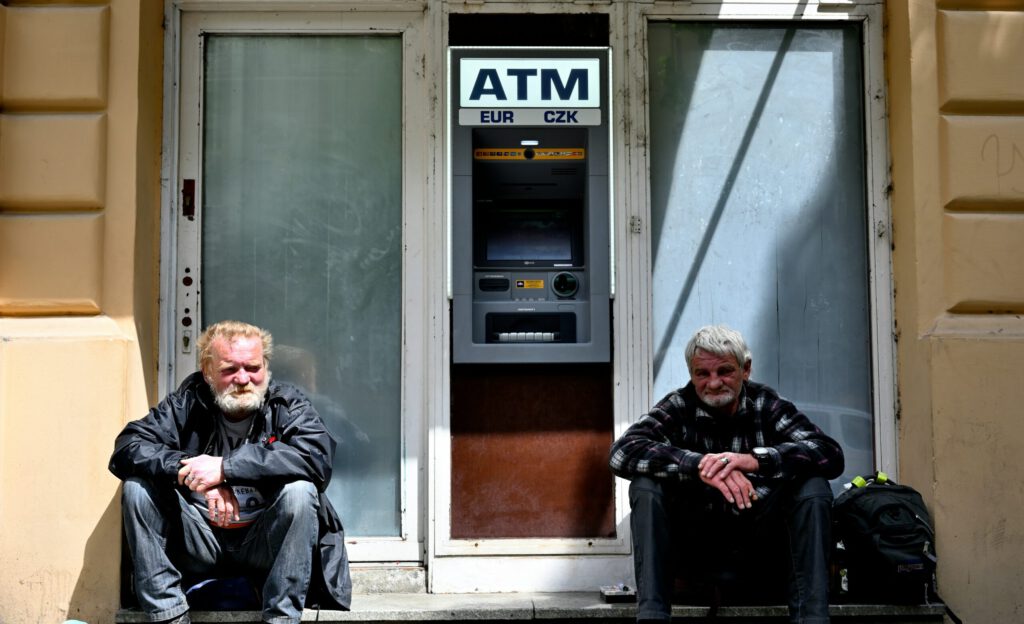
(494, 284)
(518, 328)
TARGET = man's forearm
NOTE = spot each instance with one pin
(633, 456)
(254, 462)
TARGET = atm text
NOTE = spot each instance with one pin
(550, 117)
(489, 83)
(560, 116)
(497, 116)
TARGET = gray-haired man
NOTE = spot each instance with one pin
(721, 462)
(227, 475)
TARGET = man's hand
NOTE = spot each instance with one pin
(222, 506)
(726, 473)
(201, 473)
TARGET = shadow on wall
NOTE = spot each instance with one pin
(96, 594)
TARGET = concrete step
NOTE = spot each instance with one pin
(557, 608)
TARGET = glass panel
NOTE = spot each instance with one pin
(759, 211)
(302, 234)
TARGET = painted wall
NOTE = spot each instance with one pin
(80, 105)
(956, 96)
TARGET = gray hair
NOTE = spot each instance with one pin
(718, 340)
(229, 331)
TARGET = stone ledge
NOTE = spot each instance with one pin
(551, 608)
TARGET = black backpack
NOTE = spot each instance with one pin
(885, 543)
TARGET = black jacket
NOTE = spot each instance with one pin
(289, 442)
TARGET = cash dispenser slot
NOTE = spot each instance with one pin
(558, 327)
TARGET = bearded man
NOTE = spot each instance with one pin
(723, 470)
(225, 477)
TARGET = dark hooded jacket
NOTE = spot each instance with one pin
(289, 442)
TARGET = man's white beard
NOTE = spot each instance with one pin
(721, 399)
(237, 400)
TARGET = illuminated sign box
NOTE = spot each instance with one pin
(529, 83)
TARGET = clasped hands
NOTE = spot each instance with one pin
(727, 473)
(205, 474)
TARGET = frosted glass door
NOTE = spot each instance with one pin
(302, 234)
(759, 211)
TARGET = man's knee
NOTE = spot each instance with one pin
(814, 487)
(644, 490)
(814, 494)
(137, 493)
(297, 499)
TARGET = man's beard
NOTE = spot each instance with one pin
(720, 399)
(236, 400)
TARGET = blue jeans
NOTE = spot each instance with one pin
(168, 537)
(691, 526)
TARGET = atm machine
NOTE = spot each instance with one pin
(530, 199)
(530, 167)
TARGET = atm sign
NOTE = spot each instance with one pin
(529, 83)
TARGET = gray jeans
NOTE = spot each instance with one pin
(167, 537)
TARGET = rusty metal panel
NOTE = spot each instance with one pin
(529, 452)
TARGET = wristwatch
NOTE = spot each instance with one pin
(762, 456)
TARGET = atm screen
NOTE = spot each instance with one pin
(519, 235)
(529, 235)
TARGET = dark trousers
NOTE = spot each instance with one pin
(691, 528)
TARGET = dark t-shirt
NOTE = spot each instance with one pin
(230, 435)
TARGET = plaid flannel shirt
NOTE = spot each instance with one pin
(669, 441)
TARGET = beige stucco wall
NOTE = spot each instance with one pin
(80, 135)
(956, 96)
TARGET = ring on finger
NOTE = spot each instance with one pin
(724, 460)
